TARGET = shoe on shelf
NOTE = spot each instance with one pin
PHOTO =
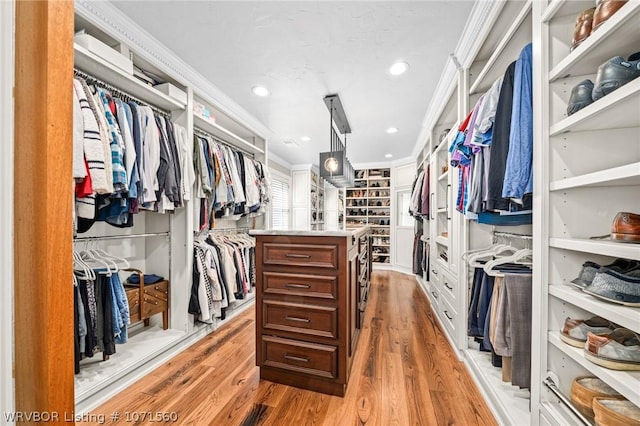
(613, 74)
(585, 389)
(589, 270)
(614, 412)
(616, 287)
(605, 9)
(618, 350)
(574, 332)
(583, 26)
(626, 226)
(580, 97)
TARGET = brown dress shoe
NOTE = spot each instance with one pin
(582, 29)
(604, 10)
(626, 227)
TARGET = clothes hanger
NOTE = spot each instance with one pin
(467, 253)
(473, 260)
(517, 257)
(88, 272)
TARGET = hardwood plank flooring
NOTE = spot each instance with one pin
(404, 373)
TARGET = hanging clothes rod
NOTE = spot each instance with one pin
(551, 385)
(198, 131)
(512, 235)
(117, 92)
(121, 237)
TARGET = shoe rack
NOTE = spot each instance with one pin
(369, 202)
(308, 199)
(587, 169)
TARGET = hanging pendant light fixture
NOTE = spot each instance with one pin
(334, 164)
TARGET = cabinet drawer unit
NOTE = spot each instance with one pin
(320, 321)
(304, 255)
(277, 283)
(300, 357)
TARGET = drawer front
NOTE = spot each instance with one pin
(134, 301)
(305, 255)
(321, 321)
(152, 305)
(448, 287)
(448, 317)
(159, 290)
(300, 357)
(300, 285)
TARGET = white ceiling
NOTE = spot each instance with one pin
(302, 51)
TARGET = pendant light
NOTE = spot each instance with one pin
(335, 167)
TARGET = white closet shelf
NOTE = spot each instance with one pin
(624, 316)
(602, 247)
(619, 176)
(443, 176)
(442, 210)
(558, 8)
(97, 67)
(621, 31)
(505, 52)
(217, 130)
(511, 408)
(619, 109)
(442, 241)
(625, 382)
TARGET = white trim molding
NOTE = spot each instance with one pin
(479, 24)
(7, 42)
(119, 26)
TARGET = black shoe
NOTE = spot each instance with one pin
(580, 97)
(615, 73)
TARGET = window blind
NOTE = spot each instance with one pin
(280, 204)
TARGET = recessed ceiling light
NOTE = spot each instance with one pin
(289, 142)
(388, 155)
(392, 130)
(305, 138)
(260, 91)
(398, 68)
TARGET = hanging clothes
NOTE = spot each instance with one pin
(126, 150)
(224, 272)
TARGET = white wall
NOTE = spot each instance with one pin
(6, 206)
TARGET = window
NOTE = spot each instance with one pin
(279, 204)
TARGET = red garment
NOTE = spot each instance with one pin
(465, 123)
(84, 188)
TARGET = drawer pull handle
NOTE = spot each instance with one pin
(434, 294)
(446, 313)
(434, 272)
(288, 318)
(296, 358)
(298, 256)
(292, 285)
(446, 284)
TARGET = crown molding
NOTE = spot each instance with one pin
(279, 160)
(480, 22)
(116, 24)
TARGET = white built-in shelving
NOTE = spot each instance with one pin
(623, 316)
(619, 109)
(599, 247)
(625, 382)
(615, 36)
(588, 159)
(92, 64)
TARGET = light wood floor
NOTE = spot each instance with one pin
(404, 373)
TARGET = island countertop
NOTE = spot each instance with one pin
(355, 232)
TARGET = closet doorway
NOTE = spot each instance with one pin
(43, 293)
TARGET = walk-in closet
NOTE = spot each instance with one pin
(283, 213)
